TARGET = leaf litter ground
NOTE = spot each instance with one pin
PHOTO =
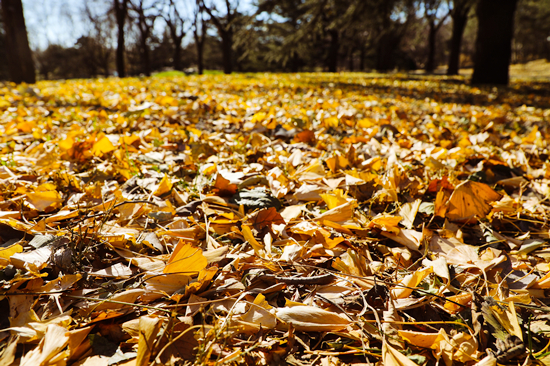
(274, 219)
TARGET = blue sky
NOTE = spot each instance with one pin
(61, 21)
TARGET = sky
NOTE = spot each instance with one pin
(62, 21)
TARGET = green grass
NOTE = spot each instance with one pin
(165, 74)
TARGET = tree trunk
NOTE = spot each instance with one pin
(200, 62)
(459, 24)
(351, 64)
(384, 54)
(494, 41)
(332, 57)
(18, 52)
(121, 10)
(227, 51)
(432, 31)
(362, 58)
(146, 62)
(177, 54)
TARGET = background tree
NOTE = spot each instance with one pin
(225, 25)
(172, 15)
(432, 8)
(144, 16)
(3, 66)
(532, 33)
(494, 41)
(459, 11)
(18, 52)
(199, 33)
(121, 13)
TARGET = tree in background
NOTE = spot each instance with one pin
(121, 13)
(4, 75)
(225, 25)
(144, 16)
(494, 41)
(199, 34)
(431, 10)
(532, 33)
(95, 46)
(391, 22)
(459, 10)
(175, 22)
(18, 52)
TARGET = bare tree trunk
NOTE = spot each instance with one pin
(177, 54)
(459, 24)
(145, 59)
(227, 51)
(494, 41)
(432, 31)
(121, 11)
(18, 52)
(332, 57)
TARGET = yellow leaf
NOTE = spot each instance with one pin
(392, 357)
(165, 186)
(102, 146)
(331, 122)
(386, 223)
(410, 281)
(249, 237)
(338, 214)
(43, 200)
(186, 259)
(148, 330)
(334, 199)
(6, 253)
(423, 340)
(312, 319)
(470, 201)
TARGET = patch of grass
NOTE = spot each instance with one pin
(164, 74)
(213, 72)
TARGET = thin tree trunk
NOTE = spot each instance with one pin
(351, 65)
(227, 51)
(18, 52)
(145, 59)
(432, 32)
(459, 24)
(177, 54)
(121, 10)
(494, 41)
(384, 55)
(362, 57)
(332, 57)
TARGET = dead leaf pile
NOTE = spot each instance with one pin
(270, 219)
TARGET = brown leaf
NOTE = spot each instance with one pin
(267, 217)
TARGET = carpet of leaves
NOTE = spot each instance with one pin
(305, 219)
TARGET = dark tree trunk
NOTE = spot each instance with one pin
(494, 41)
(227, 51)
(200, 62)
(351, 65)
(121, 10)
(177, 53)
(293, 63)
(145, 59)
(384, 54)
(332, 57)
(459, 24)
(18, 52)
(362, 58)
(432, 32)
(199, 43)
